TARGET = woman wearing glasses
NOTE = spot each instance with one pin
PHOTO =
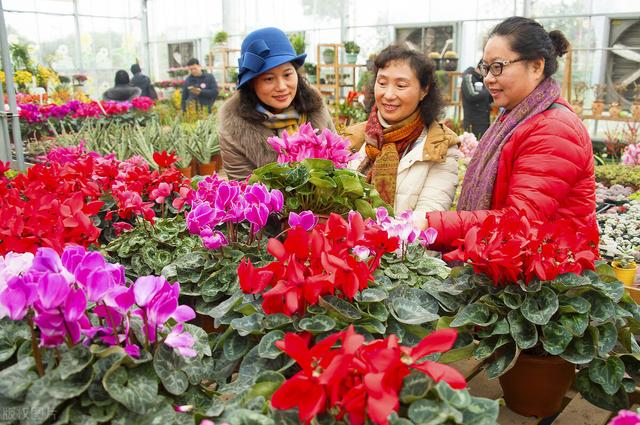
(407, 154)
(537, 156)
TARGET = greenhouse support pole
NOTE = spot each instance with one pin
(145, 36)
(5, 143)
(11, 90)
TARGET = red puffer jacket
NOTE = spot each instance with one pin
(546, 169)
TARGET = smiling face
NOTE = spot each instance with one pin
(397, 91)
(517, 80)
(277, 87)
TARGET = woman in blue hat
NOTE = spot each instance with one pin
(272, 97)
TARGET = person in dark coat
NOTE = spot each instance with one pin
(476, 103)
(200, 86)
(142, 82)
(122, 91)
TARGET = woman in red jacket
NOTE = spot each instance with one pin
(537, 156)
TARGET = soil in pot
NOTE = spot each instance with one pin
(536, 385)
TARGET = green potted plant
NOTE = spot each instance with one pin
(539, 312)
(310, 71)
(317, 185)
(597, 106)
(352, 49)
(625, 267)
(297, 42)
(436, 58)
(579, 90)
(221, 38)
(328, 56)
(204, 146)
(450, 61)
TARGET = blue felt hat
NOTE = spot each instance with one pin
(265, 49)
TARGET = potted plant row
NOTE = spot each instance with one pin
(541, 310)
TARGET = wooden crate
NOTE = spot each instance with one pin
(576, 410)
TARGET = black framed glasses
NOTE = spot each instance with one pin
(495, 67)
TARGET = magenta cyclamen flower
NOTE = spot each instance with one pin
(307, 143)
(626, 417)
(57, 291)
(306, 219)
(217, 202)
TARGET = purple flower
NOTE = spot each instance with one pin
(257, 215)
(306, 219)
(213, 239)
(132, 350)
(145, 288)
(307, 143)
(52, 290)
(626, 417)
(277, 200)
(181, 341)
(201, 217)
(428, 236)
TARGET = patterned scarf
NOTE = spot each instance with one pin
(384, 147)
(479, 181)
(288, 120)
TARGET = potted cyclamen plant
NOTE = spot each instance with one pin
(318, 290)
(539, 311)
(79, 343)
(312, 174)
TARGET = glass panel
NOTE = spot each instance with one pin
(426, 39)
(58, 48)
(559, 8)
(54, 6)
(497, 9)
(19, 5)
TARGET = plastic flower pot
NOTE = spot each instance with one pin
(536, 385)
(328, 56)
(207, 169)
(626, 275)
(449, 64)
(614, 110)
(352, 58)
(597, 107)
(635, 111)
(186, 171)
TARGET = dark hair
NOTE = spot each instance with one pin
(193, 61)
(135, 68)
(122, 77)
(431, 105)
(528, 38)
(306, 100)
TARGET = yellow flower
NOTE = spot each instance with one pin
(23, 78)
(177, 99)
(2, 77)
(46, 76)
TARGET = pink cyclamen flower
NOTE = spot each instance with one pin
(162, 192)
(626, 417)
(13, 264)
(181, 341)
(428, 236)
(213, 239)
(306, 219)
(362, 252)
